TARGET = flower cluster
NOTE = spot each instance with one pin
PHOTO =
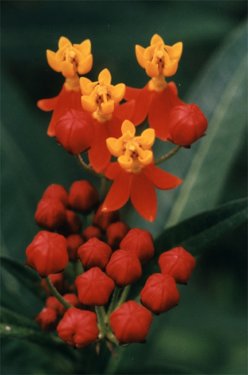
(87, 270)
(98, 118)
(87, 257)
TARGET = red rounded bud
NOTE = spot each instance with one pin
(94, 253)
(160, 293)
(78, 327)
(58, 281)
(83, 196)
(72, 224)
(131, 322)
(104, 219)
(47, 318)
(139, 242)
(115, 233)
(47, 253)
(92, 232)
(56, 191)
(50, 213)
(187, 124)
(178, 263)
(94, 287)
(53, 303)
(124, 268)
(74, 131)
(73, 243)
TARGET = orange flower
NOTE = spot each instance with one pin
(135, 176)
(71, 59)
(101, 99)
(158, 97)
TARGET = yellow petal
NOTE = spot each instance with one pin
(146, 157)
(139, 51)
(84, 47)
(67, 69)
(118, 92)
(128, 128)
(147, 138)
(88, 103)
(175, 51)
(52, 61)
(152, 69)
(104, 77)
(125, 161)
(156, 39)
(170, 69)
(63, 41)
(108, 107)
(85, 64)
(86, 86)
(114, 146)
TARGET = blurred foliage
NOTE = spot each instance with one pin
(206, 333)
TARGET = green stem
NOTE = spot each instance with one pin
(124, 295)
(86, 166)
(114, 300)
(100, 312)
(168, 155)
(103, 187)
(56, 294)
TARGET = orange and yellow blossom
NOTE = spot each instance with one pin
(134, 175)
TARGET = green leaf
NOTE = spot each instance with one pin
(200, 231)
(24, 274)
(11, 317)
(34, 335)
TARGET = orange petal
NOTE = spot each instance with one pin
(170, 69)
(86, 85)
(160, 178)
(52, 61)
(143, 197)
(142, 98)
(88, 103)
(175, 51)
(114, 146)
(67, 69)
(118, 92)
(152, 69)
(119, 192)
(127, 127)
(160, 108)
(63, 41)
(107, 107)
(99, 155)
(85, 64)
(47, 104)
(104, 77)
(84, 47)
(156, 39)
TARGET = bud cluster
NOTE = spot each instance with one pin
(88, 259)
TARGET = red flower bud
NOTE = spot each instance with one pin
(139, 242)
(104, 219)
(72, 224)
(73, 243)
(47, 253)
(92, 232)
(94, 253)
(124, 267)
(56, 191)
(83, 196)
(94, 287)
(47, 318)
(115, 233)
(187, 124)
(160, 293)
(131, 322)
(54, 304)
(50, 213)
(78, 327)
(178, 263)
(74, 131)
(58, 281)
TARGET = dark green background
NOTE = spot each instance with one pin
(206, 333)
